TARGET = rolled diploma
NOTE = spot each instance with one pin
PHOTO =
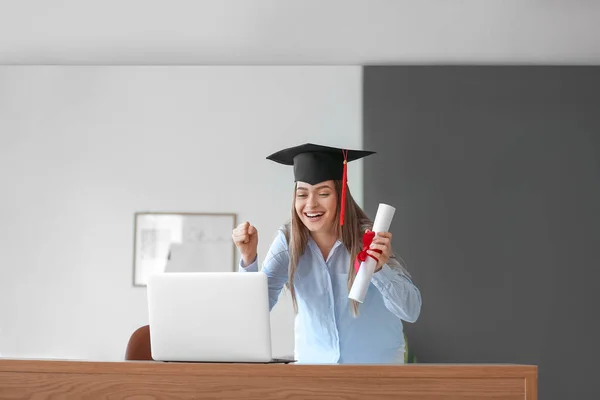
(382, 223)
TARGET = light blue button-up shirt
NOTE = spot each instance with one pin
(325, 329)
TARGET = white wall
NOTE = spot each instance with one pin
(83, 148)
(299, 32)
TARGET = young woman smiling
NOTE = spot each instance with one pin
(317, 254)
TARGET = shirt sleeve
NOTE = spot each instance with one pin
(400, 295)
(275, 266)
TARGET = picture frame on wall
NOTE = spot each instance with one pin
(182, 242)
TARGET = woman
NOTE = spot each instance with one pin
(316, 255)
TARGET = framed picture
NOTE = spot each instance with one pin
(182, 242)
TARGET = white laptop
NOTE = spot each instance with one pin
(210, 317)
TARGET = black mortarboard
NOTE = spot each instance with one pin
(315, 163)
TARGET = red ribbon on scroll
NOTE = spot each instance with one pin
(362, 256)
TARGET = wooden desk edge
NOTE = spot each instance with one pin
(530, 372)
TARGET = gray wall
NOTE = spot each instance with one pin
(495, 175)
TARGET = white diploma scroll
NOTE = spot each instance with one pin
(383, 220)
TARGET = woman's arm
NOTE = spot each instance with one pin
(275, 266)
(400, 295)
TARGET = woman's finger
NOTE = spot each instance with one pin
(381, 247)
(374, 254)
(387, 235)
(379, 240)
(240, 239)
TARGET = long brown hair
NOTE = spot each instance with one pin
(356, 222)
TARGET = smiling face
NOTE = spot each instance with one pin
(316, 205)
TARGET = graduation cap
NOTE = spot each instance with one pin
(314, 163)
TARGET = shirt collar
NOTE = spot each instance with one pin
(313, 245)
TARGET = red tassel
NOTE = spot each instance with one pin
(344, 183)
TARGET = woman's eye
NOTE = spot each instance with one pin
(324, 194)
(301, 196)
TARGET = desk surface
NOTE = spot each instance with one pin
(64, 379)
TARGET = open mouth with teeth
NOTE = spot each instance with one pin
(314, 215)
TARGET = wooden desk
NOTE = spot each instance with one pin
(65, 380)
